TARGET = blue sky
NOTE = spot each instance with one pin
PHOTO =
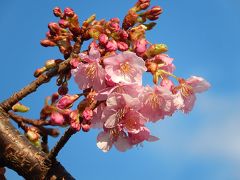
(203, 37)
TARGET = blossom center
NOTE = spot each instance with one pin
(91, 70)
(121, 114)
(186, 90)
(154, 100)
(125, 67)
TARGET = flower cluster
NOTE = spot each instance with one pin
(110, 74)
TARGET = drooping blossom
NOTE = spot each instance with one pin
(166, 63)
(90, 73)
(157, 102)
(125, 67)
(185, 93)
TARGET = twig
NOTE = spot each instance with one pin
(37, 122)
(43, 78)
(63, 140)
(45, 144)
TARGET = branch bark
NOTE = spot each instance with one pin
(18, 154)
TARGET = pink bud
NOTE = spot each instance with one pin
(56, 118)
(87, 113)
(32, 134)
(123, 35)
(54, 28)
(57, 11)
(74, 122)
(69, 12)
(111, 45)
(114, 26)
(63, 23)
(116, 20)
(47, 43)
(122, 46)
(85, 127)
(67, 101)
(103, 39)
(140, 46)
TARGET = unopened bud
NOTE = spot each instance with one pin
(122, 46)
(56, 118)
(20, 108)
(85, 127)
(57, 11)
(87, 113)
(63, 90)
(68, 12)
(74, 122)
(50, 64)
(39, 71)
(66, 101)
(130, 19)
(150, 25)
(91, 18)
(54, 28)
(47, 42)
(32, 134)
(63, 23)
(111, 45)
(103, 39)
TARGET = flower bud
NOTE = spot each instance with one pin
(153, 14)
(56, 118)
(57, 11)
(47, 42)
(113, 26)
(54, 97)
(130, 19)
(122, 46)
(103, 39)
(94, 33)
(87, 113)
(63, 90)
(54, 28)
(68, 12)
(156, 49)
(74, 122)
(85, 127)
(123, 34)
(32, 134)
(66, 101)
(151, 66)
(111, 45)
(140, 46)
(150, 25)
(39, 71)
(18, 107)
(50, 64)
(63, 23)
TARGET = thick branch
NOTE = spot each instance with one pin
(18, 154)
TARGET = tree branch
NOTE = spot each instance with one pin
(54, 152)
(18, 154)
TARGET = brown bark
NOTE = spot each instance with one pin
(18, 154)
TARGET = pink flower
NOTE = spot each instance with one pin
(87, 113)
(56, 118)
(125, 67)
(131, 89)
(122, 111)
(157, 102)
(111, 45)
(140, 46)
(97, 121)
(167, 83)
(90, 73)
(106, 139)
(185, 96)
(166, 62)
(143, 135)
(103, 39)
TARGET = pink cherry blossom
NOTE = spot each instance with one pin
(122, 110)
(157, 102)
(106, 139)
(167, 83)
(143, 135)
(185, 97)
(66, 101)
(90, 73)
(131, 89)
(125, 67)
(97, 121)
(166, 62)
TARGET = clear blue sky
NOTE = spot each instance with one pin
(203, 37)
